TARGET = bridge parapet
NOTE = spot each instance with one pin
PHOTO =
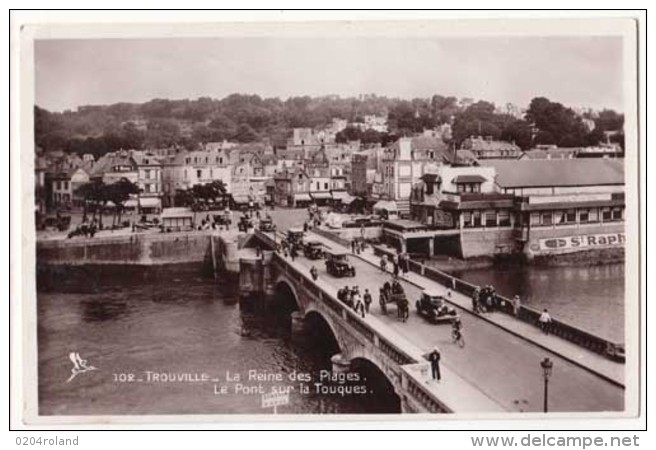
(401, 361)
(560, 328)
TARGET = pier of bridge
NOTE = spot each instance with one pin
(497, 371)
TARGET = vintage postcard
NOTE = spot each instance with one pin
(382, 220)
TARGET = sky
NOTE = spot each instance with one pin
(576, 71)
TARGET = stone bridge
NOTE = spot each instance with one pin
(498, 370)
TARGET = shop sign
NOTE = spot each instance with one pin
(583, 241)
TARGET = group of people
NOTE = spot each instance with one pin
(360, 303)
(485, 299)
(357, 246)
(86, 229)
(290, 248)
(393, 292)
(400, 263)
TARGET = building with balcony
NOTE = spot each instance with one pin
(536, 208)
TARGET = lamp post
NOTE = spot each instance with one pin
(547, 367)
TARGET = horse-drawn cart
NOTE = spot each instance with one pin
(394, 293)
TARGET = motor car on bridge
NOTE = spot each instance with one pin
(295, 236)
(432, 306)
(267, 225)
(313, 249)
(337, 264)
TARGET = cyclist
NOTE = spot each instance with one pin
(456, 329)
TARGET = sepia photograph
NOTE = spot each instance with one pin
(339, 220)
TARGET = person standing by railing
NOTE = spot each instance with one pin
(517, 305)
(545, 321)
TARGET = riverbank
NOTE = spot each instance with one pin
(587, 258)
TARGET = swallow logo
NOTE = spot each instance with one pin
(79, 366)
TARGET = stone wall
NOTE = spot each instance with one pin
(141, 249)
(492, 242)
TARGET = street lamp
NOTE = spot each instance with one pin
(547, 367)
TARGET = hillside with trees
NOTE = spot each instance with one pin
(160, 123)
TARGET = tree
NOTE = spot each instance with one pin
(95, 193)
(120, 192)
(556, 124)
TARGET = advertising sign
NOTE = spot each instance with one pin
(583, 241)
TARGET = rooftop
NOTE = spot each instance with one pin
(557, 172)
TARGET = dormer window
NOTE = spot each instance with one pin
(469, 183)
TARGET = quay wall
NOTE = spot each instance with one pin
(142, 250)
(492, 242)
(559, 240)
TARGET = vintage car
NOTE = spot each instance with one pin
(432, 306)
(337, 264)
(295, 236)
(267, 225)
(58, 223)
(223, 219)
(245, 222)
(313, 249)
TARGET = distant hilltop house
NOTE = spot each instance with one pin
(488, 148)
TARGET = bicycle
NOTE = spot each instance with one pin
(458, 338)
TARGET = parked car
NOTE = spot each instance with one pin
(313, 249)
(267, 225)
(295, 236)
(432, 306)
(337, 264)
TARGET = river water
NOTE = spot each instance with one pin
(179, 324)
(590, 297)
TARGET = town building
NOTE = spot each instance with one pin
(149, 181)
(292, 187)
(188, 169)
(405, 161)
(535, 208)
(488, 148)
(359, 174)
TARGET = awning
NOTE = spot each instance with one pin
(150, 202)
(302, 197)
(241, 198)
(386, 205)
(469, 179)
(343, 196)
(321, 195)
(170, 213)
(131, 203)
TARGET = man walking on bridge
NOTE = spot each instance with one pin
(434, 358)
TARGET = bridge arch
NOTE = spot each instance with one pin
(285, 297)
(382, 390)
(322, 331)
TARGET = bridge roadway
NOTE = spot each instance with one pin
(503, 366)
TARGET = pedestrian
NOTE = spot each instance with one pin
(517, 305)
(352, 245)
(475, 300)
(395, 268)
(545, 321)
(293, 251)
(383, 263)
(434, 358)
(314, 272)
(367, 300)
(358, 306)
(258, 251)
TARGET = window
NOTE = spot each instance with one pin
(605, 214)
(584, 216)
(221, 160)
(477, 218)
(66, 185)
(535, 218)
(147, 174)
(547, 218)
(490, 218)
(570, 216)
(199, 173)
(504, 218)
(558, 217)
(467, 219)
(59, 185)
(594, 215)
(617, 213)
(325, 186)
